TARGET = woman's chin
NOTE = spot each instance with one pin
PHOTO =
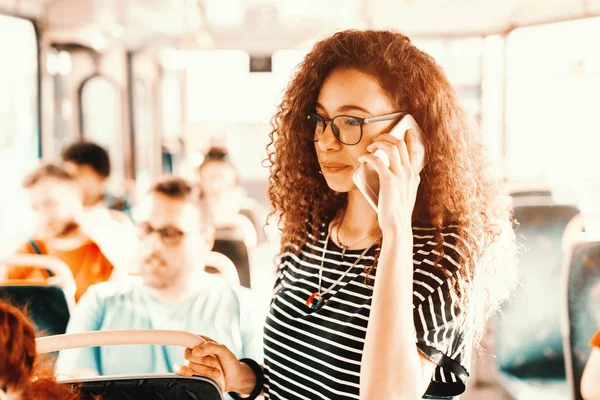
(340, 185)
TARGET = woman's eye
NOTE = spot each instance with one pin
(351, 122)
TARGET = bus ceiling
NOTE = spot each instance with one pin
(263, 26)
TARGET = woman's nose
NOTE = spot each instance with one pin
(328, 141)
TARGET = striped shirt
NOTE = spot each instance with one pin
(316, 354)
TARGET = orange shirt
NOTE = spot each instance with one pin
(595, 342)
(87, 263)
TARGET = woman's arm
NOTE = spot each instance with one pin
(590, 389)
(392, 367)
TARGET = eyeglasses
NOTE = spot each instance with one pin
(347, 129)
(169, 236)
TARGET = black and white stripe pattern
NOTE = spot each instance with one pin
(316, 354)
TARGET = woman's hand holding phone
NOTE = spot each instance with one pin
(395, 160)
(398, 184)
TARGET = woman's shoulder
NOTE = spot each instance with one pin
(449, 235)
(434, 248)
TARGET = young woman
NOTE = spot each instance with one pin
(373, 305)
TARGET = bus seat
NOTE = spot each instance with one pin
(222, 265)
(126, 387)
(49, 302)
(45, 305)
(581, 318)
(237, 252)
(529, 193)
(532, 193)
(531, 199)
(252, 210)
(528, 336)
(149, 387)
(524, 188)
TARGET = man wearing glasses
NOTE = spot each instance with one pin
(173, 293)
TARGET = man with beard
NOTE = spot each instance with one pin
(90, 248)
(173, 293)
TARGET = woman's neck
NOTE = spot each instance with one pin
(357, 222)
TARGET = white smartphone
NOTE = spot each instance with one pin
(366, 178)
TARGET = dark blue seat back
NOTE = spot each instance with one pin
(583, 310)
(149, 388)
(237, 252)
(46, 306)
(528, 337)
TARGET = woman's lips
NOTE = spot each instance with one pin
(332, 168)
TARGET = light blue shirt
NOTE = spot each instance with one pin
(227, 315)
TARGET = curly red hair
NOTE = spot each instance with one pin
(455, 185)
(20, 370)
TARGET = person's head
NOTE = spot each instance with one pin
(17, 350)
(219, 186)
(175, 233)
(90, 164)
(24, 375)
(368, 74)
(55, 198)
(217, 175)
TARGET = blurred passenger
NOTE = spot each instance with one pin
(174, 293)
(236, 216)
(108, 217)
(90, 164)
(22, 375)
(66, 232)
(590, 386)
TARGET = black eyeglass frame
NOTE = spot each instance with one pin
(361, 121)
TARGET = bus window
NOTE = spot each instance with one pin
(171, 122)
(101, 123)
(59, 66)
(553, 93)
(146, 152)
(19, 130)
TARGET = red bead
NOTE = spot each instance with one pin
(311, 299)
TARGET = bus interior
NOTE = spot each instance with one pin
(160, 82)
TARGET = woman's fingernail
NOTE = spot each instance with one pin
(180, 370)
(197, 352)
